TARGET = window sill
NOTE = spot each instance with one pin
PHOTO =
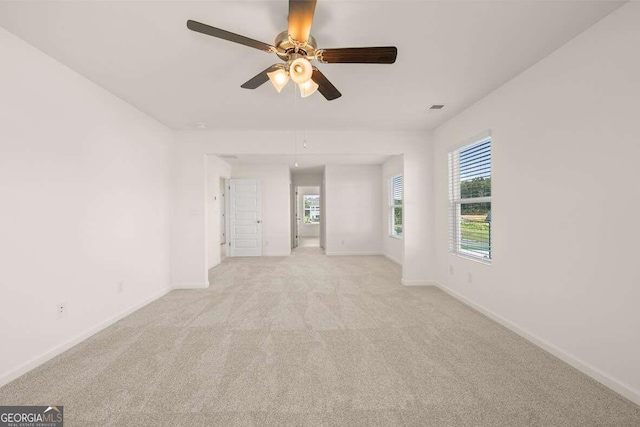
(395, 237)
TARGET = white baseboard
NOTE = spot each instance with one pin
(353, 253)
(204, 285)
(390, 258)
(50, 354)
(410, 282)
(595, 373)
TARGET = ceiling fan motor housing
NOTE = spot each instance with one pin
(286, 49)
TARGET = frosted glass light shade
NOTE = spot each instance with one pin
(300, 70)
(279, 78)
(307, 88)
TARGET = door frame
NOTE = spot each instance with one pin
(222, 207)
(299, 212)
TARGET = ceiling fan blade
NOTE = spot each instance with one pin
(226, 35)
(359, 55)
(260, 78)
(300, 19)
(325, 87)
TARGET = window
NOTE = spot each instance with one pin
(395, 206)
(311, 209)
(470, 200)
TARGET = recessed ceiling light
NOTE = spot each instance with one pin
(437, 107)
(201, 125)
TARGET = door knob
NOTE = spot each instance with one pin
(258, 221)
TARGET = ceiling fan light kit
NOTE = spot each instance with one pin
(307, 88)
(297, 48)
(300, 70)
(279, 78)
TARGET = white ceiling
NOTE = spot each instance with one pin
(452, 53)
(307, 163)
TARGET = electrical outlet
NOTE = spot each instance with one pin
(121, 286)
(451, 269)
(342, 242)
(470, 278)
(61, 310)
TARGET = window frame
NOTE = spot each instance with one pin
(392, 206)
(455, 201)
(304, 210)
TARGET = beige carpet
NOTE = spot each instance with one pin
(314, 340)
(308, 242)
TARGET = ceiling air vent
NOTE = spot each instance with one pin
(437, 107)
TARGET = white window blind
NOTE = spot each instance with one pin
(395, 206)
(470, 200)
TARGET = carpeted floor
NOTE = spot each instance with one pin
(308, 242)
(314, 340)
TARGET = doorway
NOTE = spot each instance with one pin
(308, 218)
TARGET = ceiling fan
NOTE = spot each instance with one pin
(297, 48)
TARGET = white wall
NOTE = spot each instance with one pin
(323, 214)
(189, 237)
(418, 267)
(84, 184)
(276, 208)
(216, 169)
(292, 210)
(353, 216)
(311, 179)
(307, 230)
(565, 185)
(189, 246)
(392, 247)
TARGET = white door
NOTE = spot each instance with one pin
(245, 217)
